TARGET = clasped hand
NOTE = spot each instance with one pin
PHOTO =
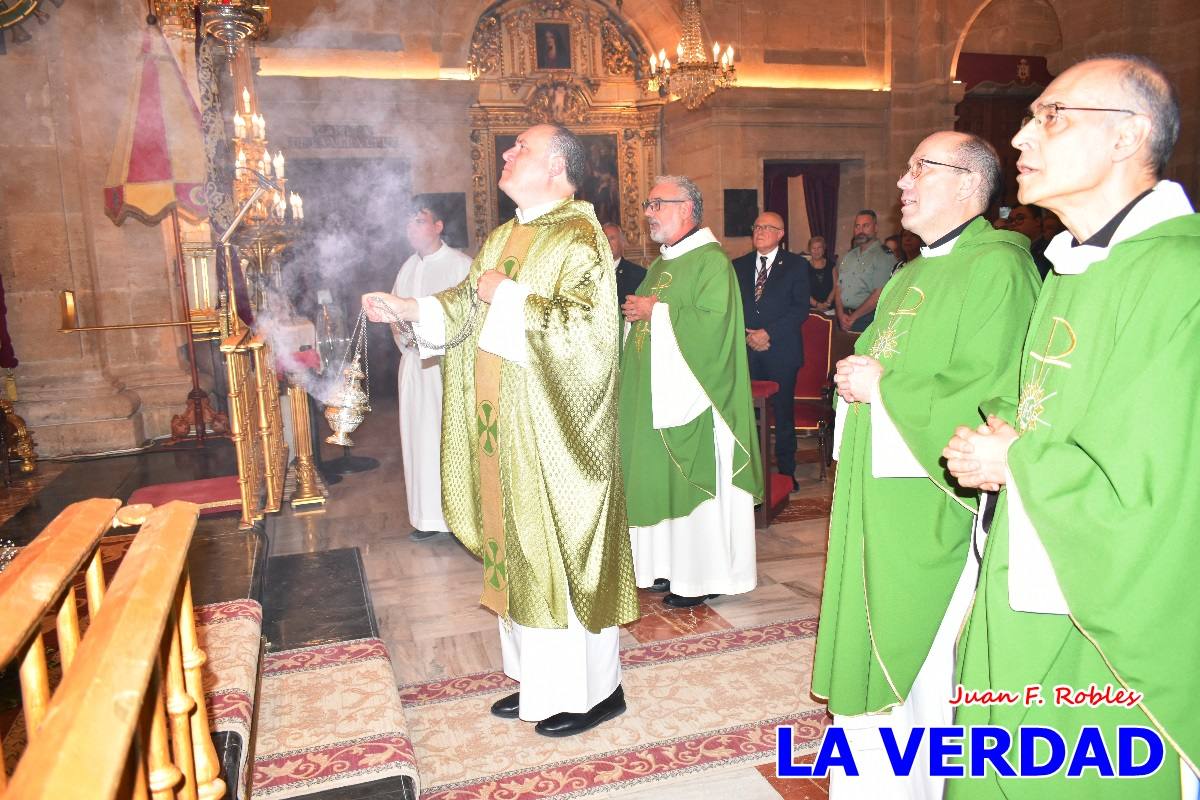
(979, 458)
(857, 378)
(637, 308)
(758, 339)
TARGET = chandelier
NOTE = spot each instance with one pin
(254, 162)
(229, 21)
(693, 76)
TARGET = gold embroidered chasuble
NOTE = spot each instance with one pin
(561, 503)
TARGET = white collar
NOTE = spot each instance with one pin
(940, 250)
(443, 249)
(617, 261)
(1167, 201)
(769, 256)
(528, 215)
(687, 244)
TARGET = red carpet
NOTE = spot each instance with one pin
(213, 495)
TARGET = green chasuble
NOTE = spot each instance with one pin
(670, 471)
(566, 538)
(948, 331)
(1105, 467)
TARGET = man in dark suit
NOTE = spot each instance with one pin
(775, 300)
(629, 274)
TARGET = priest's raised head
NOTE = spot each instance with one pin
(767, 232)
(546, 163)
(951, 178)
(424, 229)
(1098, 137)
(674, 208)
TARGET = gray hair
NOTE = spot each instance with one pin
(566, 144)
(690, 190)
(978, 155)
(1153, 95)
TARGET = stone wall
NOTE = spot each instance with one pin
(859, 82)
(63, 93)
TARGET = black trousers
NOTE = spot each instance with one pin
(766, 367)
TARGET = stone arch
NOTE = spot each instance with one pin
(1049, 27)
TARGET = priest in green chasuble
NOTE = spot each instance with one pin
(688, 446)
(900, 568)
(531, 476)
(1089, 570)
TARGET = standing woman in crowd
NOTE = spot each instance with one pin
(822, 276)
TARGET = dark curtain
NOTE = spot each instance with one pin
(8, 359)
(820, 195)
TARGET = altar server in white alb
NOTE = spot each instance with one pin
(433, 267)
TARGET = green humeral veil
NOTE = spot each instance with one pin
(1109, 426)
(671, 471)
(566, 537)
(947, 331)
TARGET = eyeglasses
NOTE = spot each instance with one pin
(918, 166)
(1047, 115)
(757, 228)
(655, 203)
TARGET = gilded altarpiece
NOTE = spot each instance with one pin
(599, 96)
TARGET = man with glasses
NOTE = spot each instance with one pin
(862, 272)
(1090, 566)
(531, 475)
(775, 298)
(433, 267)
(1027, 221)
(688, 447)
(899, 570)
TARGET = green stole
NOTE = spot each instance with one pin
(487, 415)
(671, 471)
(1106, 469)
(947, 331)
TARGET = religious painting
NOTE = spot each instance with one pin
(741, 209)
(553, 40)
(601, 186)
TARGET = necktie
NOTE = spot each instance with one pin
(761, 280)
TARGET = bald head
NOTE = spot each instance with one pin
(1143, 87)
(767, 232)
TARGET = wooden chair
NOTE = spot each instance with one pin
(813, 395)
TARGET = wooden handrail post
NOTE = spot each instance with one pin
(163, 775)
(35, 686)
(180, 706)
(208, 782)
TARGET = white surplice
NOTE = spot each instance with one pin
(420, 390)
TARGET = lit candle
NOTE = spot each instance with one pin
(266, 162)
(666, 65)
(679, 51)
(716, 52)
(297, 207)
(246, 99)
(241, 158)
(262, 166)
(239, 127)
(653, 63)
(279, 164)
(729, 54)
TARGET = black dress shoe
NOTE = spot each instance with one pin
(659, 585)
(420, 536)
(679, 601)
(568, 724)
(507, 707)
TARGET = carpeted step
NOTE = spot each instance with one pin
(230, 634)
(330, 717)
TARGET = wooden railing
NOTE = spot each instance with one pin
(128, 718)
